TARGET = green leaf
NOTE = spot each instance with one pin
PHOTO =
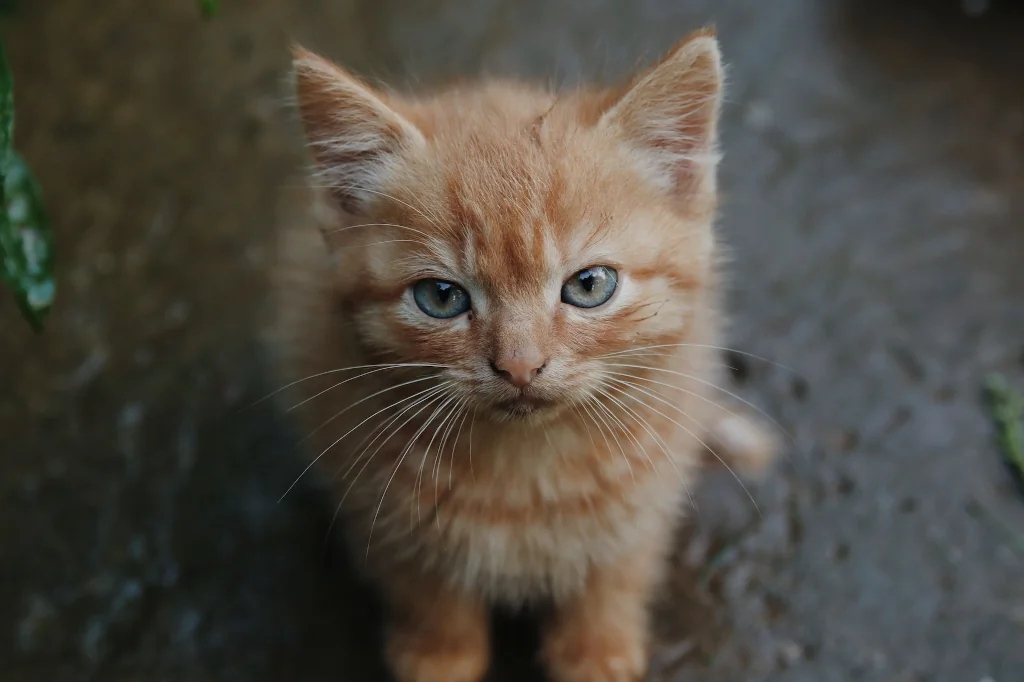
(208, 7)
(1007, 408)
(26, 242)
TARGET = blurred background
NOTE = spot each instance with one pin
(873, 200)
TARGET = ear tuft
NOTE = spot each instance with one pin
(669, 115)
(355, 136)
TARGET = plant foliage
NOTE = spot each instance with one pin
(26, 240)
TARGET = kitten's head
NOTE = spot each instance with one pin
(518, 237)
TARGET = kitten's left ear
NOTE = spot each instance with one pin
(669, 116)
(356, 135)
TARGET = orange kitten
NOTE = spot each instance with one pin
(505, 332)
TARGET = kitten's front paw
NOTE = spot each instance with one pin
(594, 652)
(429, 656)
(745, 443)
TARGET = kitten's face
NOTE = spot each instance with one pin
(518, 239)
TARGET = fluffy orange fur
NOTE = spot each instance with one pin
(526, 448)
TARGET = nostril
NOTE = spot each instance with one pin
(504, 374)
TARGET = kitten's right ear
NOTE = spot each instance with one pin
(356, 138)
(669, 115)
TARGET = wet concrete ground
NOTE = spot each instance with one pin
(874, 177)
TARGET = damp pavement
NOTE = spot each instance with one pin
(873, 201)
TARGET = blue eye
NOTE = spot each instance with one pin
(591, 287)
(440, 299)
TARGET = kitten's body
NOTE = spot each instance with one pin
(564, 487)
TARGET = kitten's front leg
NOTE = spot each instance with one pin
(436, 634)
(601, 635)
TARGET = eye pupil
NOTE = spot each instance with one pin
(444, 291)
(587, 280)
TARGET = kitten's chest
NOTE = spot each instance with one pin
(518, 534)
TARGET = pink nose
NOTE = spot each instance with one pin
(519, 370)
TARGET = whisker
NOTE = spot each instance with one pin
(707, 400)
(317, 458)
(677, 388)
(702, 345)
(386, 241)
(586, 427)
(624, 428)
(454, 402)
(472, 421)
(691, 433)
(362, 400)
(428, 243)
(451, 418)
(377, 430)
(391, 365)
(640, 354)
(714, 386)
(401, 227)
(459, 412)
(447, 401)
(340, 383)
(398, 465)
(414, 505)
(643, 354)
(427, 400)
(600, 430)
(597, 405)
(432, 220)
(455, 444)
(640, 421)
(658, 441)
(380, 428)
(660, 304)
(630, 355)
(433, 393)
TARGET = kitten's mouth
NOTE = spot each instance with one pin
(523, 406)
